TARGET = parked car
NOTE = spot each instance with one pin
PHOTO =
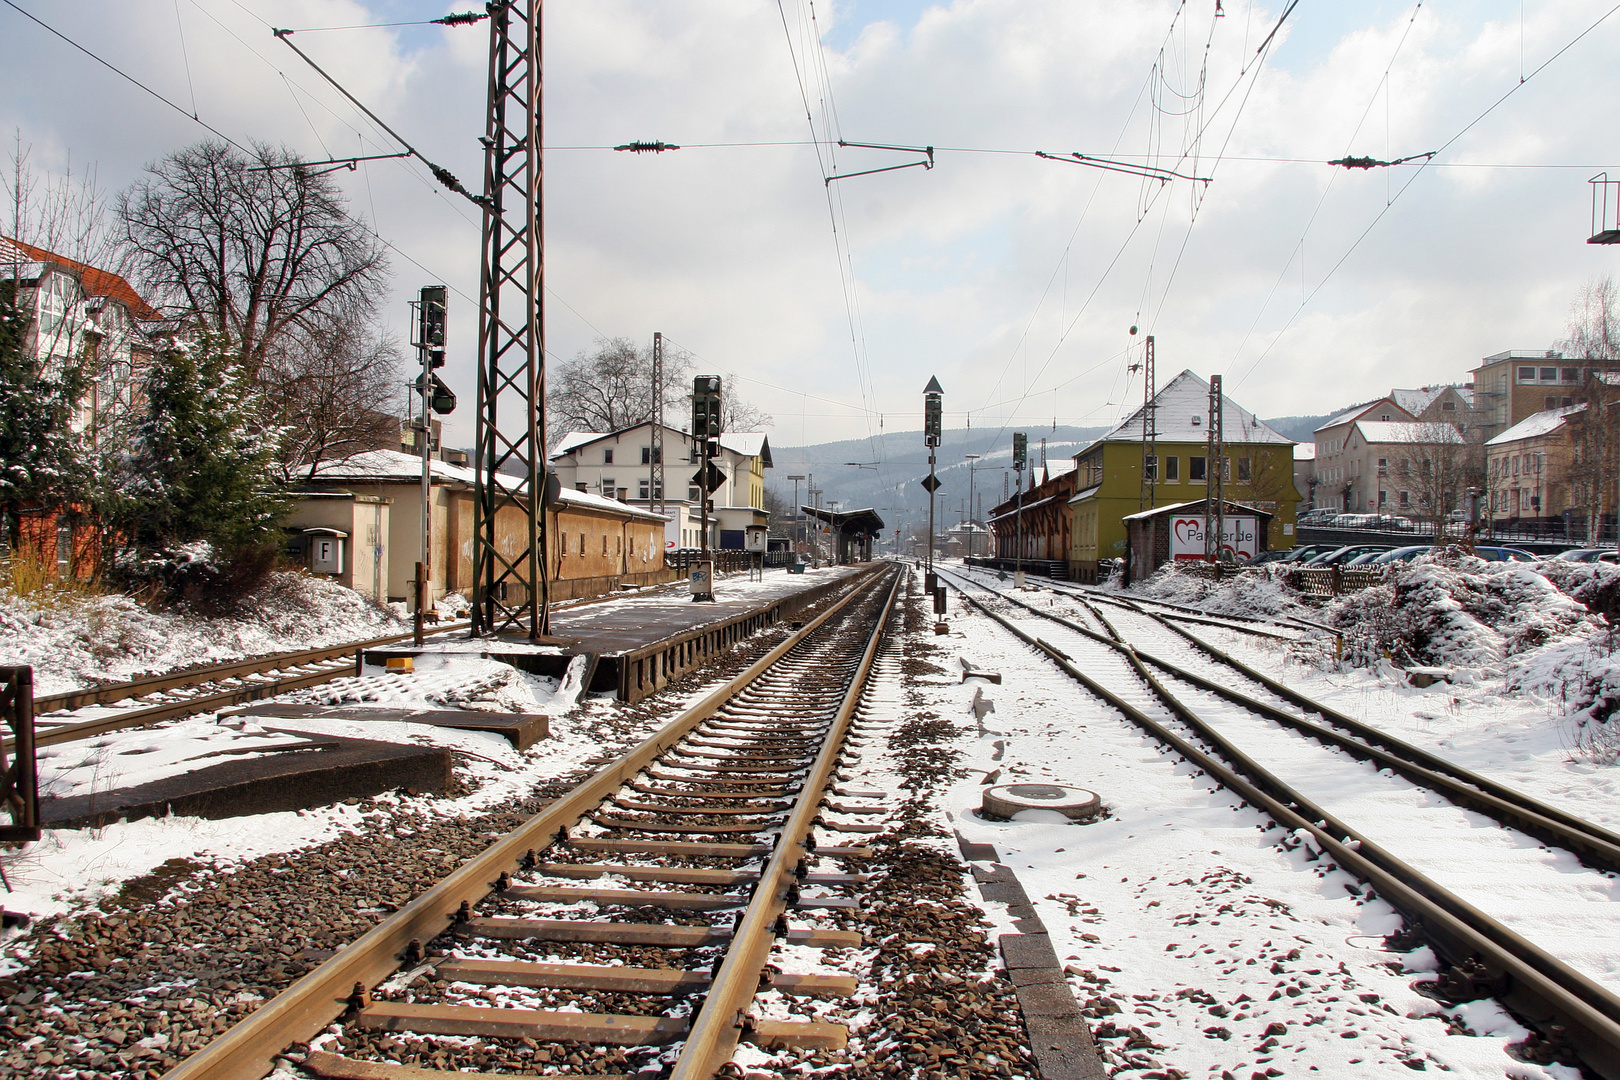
(1304, 553)
(1321, 515)
(1275, 555)
(1345, 554)
(1393, 521)
(1586, 555)
(1353, 521)
(1400, 554)
(1504, 554)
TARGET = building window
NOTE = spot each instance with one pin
(609, 486)
(562, 543)
(1197, 469)
(582, 543)
(1448, 406)
(1549, 374)
(604, 543)
(1383, 498)
(1552, 403)
(1150, 466)
(1385, 418)
(1245, 469)
(1527, 374)
(1172, 468)
(693, 495)
(607, 455)
(1406, 499)
(1571, 375)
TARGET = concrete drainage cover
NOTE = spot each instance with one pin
(1000, 803)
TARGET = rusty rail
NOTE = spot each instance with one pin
(248, 1050)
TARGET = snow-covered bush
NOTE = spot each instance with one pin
(1260, 591)
(1453, 609)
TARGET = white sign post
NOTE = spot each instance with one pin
(1240, 537)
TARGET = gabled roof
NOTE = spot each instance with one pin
(1175, 407)
(95, 282)
(392, 466)
(745, 443)
(1415, 401)
(1536, 424)
(1175, 507)
(1362, 410)
(1408, 431)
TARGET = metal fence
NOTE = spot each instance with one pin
(19, 778)
(725, 561)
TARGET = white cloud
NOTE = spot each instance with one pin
(730, 251)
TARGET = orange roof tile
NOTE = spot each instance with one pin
(96, 282)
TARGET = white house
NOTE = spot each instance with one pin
(619, 465)
(79, 312)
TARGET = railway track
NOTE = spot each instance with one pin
(85, 714)
(1252, 735)
(665, 882)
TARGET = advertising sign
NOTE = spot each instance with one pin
(1240, 537)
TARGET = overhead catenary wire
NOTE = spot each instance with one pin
(1390, 203)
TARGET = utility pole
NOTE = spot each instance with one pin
(1215, 471)
(1020, 458)
(511, 337)
(1150, 431)
(933, 423)
(655, 453)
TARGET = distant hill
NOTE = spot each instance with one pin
(1300, 428)
(892, 466)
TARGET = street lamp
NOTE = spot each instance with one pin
(971, 458)
(798, 515)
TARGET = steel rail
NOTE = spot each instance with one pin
(1541, 989)
(721, 1023)
(1593, 844)
(1416, 755)
(248, 1050)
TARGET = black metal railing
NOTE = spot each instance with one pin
(725, 561)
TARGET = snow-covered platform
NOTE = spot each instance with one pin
(522, 730)
(634, 645)
(265, 771)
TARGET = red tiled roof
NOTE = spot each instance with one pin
(96, 282)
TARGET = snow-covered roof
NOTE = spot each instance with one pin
(1407, 431)
(391, 466)
(748, 444)
(1304, 451)
(1180, 411)
(1173, 507)
(1086, 494)
(1362, 410)
(574, 440)
(1610, 377)
(1415, 401)
(1542, 423)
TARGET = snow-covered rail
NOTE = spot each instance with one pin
(713, 820)
(1516, 920)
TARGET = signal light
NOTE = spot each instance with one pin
(432, 318)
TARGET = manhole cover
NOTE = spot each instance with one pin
(1035, 791)
(1002, 802)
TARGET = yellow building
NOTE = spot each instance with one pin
(1258, 471)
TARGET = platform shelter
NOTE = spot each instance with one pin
(852, 531)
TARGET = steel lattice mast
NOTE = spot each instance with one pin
(510, 588)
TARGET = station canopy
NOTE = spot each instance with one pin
(849, 522)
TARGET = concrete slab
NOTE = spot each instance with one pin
(313, 771)
(522, 729)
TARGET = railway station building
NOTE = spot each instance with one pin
(618, 465)
(1257, 471)
(363, 514)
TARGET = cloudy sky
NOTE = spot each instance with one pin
(1013, 278)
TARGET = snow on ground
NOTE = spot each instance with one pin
(1230, 954)
(74, 641)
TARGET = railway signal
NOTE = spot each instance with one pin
(933, 423)
(706, 428)
(432, 319)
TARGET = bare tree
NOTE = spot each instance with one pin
(611, 387)
(1438, 466)
(66, 214)
(248, 246)
(1593, 332)
(335, 391)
